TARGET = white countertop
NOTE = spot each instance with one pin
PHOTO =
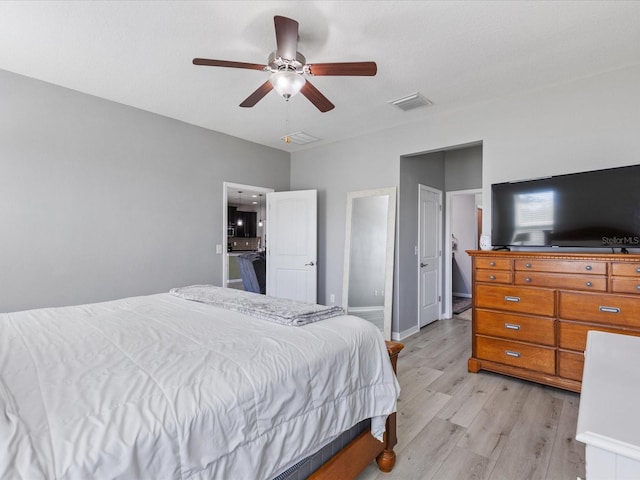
(609, 415)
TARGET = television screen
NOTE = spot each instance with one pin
(600, 208)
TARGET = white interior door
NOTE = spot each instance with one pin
(292, 241)
(429, 254)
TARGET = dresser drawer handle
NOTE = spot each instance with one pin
(514, 299)
(528, 280)
(512, 326)
(637, 287)
(638, 270)
(588, 267)
(492, 277)
(527, 265)
(609, 309)
(510, 353)
(589, 284)
(492, 264)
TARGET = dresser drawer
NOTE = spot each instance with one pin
(625, 269)
(625, 285)
(570, 365)
(561, 266)
(493, 276)
(532, 357)
(493, 263)
(516, 327)
(557, 280)
(573, 336)
(535, 301)
(623, 310)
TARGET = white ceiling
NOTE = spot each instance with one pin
(139, 53)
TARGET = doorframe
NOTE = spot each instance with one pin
(447, 300)
(225, 221)
(440, 260)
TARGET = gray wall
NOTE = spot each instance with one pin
(100, 201)
(463, 168)
(333, 171)
(147, 225)
(554, 130)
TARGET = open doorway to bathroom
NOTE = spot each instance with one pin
(463, 234)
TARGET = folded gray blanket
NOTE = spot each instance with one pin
(278, 310)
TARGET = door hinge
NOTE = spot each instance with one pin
(439, 298)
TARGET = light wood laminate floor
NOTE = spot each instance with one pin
(458, 425)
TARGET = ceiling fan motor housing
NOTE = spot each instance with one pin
(277, 63)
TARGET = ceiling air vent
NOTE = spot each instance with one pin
(412, 101)
(299, 138)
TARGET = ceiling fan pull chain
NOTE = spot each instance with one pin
(287, 138)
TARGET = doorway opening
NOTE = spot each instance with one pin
(244, 219)
(463, 229)
(450, 169)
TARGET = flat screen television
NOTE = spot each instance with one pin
(596, 209)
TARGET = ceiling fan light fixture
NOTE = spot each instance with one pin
(287, 83)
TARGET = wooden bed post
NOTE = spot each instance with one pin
(361, 451)
(387, 459)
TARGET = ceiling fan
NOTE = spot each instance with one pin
(288, 67)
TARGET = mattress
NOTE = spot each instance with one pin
(160, 387)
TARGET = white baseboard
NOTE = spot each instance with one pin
(457, 294)
(399, 336)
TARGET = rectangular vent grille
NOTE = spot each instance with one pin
(299, 138)
(415, 100)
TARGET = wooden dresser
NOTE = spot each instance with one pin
(532, 310)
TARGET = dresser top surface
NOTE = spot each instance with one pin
(613, 257)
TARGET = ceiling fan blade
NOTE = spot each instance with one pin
(256, 96)
(286, 37)
(321, 102)
(356, 69)
(226, 63)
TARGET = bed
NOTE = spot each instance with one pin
(164, 387)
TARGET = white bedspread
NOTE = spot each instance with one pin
(160, 387)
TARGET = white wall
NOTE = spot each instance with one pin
(583, 125)
(100, 201)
